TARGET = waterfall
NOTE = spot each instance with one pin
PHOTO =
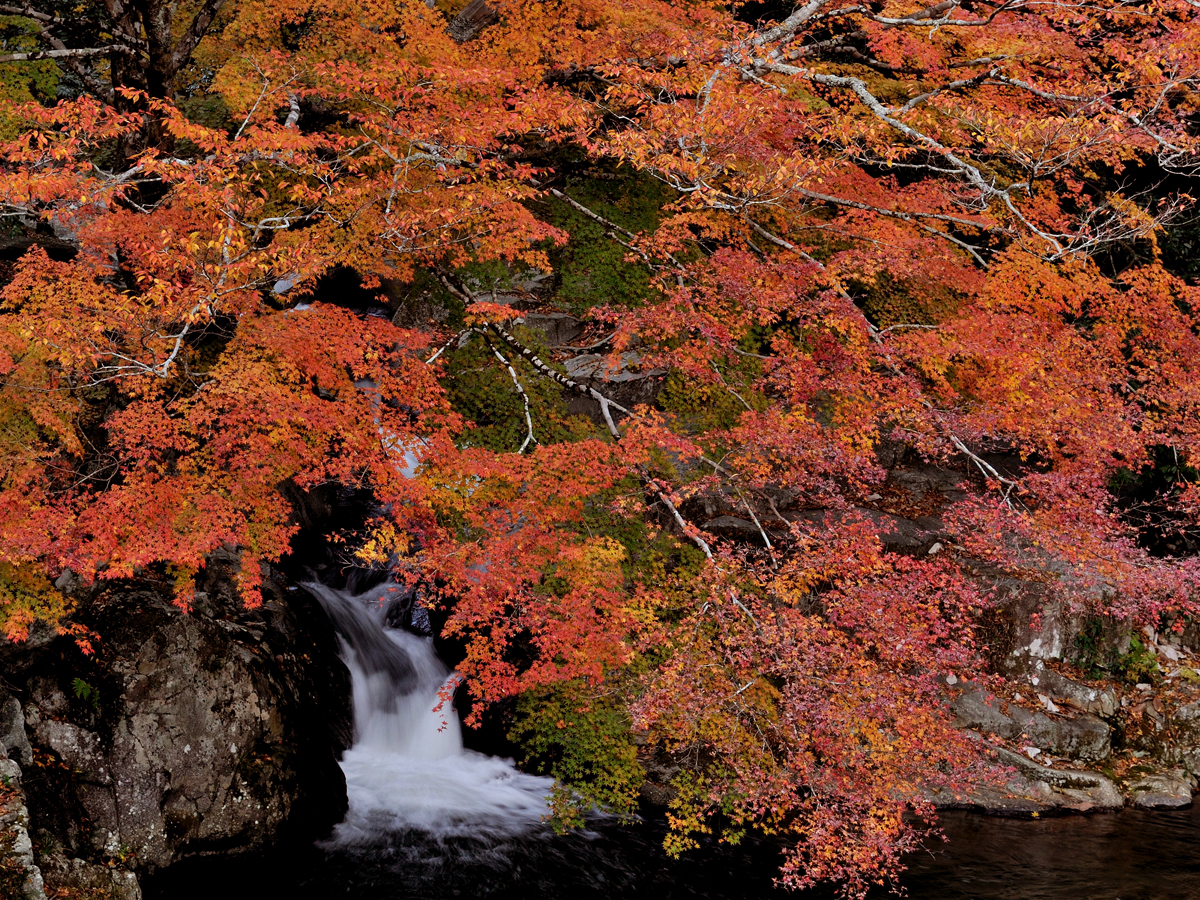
(408, 769)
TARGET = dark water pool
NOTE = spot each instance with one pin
(1132, 855)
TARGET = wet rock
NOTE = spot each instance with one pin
(189, 734)
(660, 769)
(1082, 737)
(1074, 788)
(1168, 790)
(1034, 788)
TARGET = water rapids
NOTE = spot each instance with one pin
(408, 769)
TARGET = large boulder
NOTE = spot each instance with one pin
(1080, 737)
(1030, 789)
(1162, 790)
(210, 732)
(14, 744)
(1099, 700)
(557, 329)
(622, 379)
(1185, 728)
(1168, 734)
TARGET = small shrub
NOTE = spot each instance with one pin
(1139, 665)
(85, 692)
(584, 741)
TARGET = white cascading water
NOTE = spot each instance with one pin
(408, 769)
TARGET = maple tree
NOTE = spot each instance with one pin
(877, 224)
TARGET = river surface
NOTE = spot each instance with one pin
(1132, 855)
(431, 820)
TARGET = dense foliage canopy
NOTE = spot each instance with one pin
(838, 231)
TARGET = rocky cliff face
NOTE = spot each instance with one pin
(20, 876)
(211, 732)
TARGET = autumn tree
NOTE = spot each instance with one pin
(877, 226)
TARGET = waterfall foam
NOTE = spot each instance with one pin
(408, 769)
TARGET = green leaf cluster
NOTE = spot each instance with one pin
(482, 390)
(1137, 665)
(700, 407)
(86, 692)
(583, 739)
(890, 301)
(27, 596)
(23, 82)
(592, 268)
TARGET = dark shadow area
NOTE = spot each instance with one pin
(609, 861)
(1133, 855)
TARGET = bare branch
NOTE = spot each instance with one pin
(530, 357)
(520, 390)
(31, 13)
(913, 218)
(791, 24)
(689, 530)
(73, 62)
(293, 115)
(613, 229)
(595, 217)
(758, 525)
(65, 53)
(446, 346)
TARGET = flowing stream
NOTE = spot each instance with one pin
(408, 769)
(430, 819)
